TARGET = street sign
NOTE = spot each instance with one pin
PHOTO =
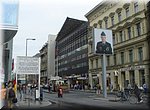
(28, 65)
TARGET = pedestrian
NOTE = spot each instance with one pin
(129, 86)
(89, 86)
(41, 93)
(49, 88)
(111, 87)
(145, 87)
(118, 87)
(95, 88)
(10, 95)
(20, 91)
(98, 88)
(60, 91)
(3, 95)
(137, 93)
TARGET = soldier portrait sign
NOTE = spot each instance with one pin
(102, 41)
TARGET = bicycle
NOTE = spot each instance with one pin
(144, 96)
(126, 95)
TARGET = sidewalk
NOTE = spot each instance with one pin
(29, 101)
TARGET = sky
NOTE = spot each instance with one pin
(39, 18)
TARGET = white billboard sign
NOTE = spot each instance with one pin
(102, 40)
(28, 65)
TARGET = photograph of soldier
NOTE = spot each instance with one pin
(103, 47)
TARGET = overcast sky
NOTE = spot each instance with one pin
(39, 18)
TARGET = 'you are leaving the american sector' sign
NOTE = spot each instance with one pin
(28, 65)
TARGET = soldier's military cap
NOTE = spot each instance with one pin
(103, 34)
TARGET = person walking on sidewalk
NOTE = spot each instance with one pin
(10, 95)
(98, 88)
(41, 93)
(20, 91)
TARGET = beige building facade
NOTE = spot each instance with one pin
(130, 60)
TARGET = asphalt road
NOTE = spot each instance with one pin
(88, 101)
(77, 100)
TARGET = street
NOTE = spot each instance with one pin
(79, 99)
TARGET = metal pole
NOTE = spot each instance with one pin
(26, 46)
(39, 76)
(26, 56)
(57, 66)
(104, 76)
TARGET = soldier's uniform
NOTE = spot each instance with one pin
(103, 48)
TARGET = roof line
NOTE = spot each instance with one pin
(95, 8)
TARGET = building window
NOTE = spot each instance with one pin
(124, 35)
(138, 29)
(101, 25)
(121, 36)
(127, 12)
(115, 59)
(91, 48)
(107, 60)
(91, 64)
(140, 52)
(122, 57)
(112, 20)
(136, 7)
(129, 32)
(113, 40)
(96, 63)
(106, 23)
(131, 56)
(119, 16)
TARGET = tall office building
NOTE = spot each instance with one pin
(71, 51)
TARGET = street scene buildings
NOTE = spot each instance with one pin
(69, 68)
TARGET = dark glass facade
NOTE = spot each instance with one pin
(72, 49)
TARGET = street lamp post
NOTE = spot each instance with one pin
(27, 44)
(27, 51)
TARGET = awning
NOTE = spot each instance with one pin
(55, 78)
(83, 78)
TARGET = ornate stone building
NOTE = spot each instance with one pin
(148, 26)
(130, 60)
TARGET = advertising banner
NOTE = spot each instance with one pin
(102, 41)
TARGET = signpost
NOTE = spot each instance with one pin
(102, 46)
(29, 66)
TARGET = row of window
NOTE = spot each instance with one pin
(74, 45)
(73, 52)
(122, 57)
(79, 65)
(119, 15)
(79, 57)
(74, 36)
(44, 73)
(122, 35)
